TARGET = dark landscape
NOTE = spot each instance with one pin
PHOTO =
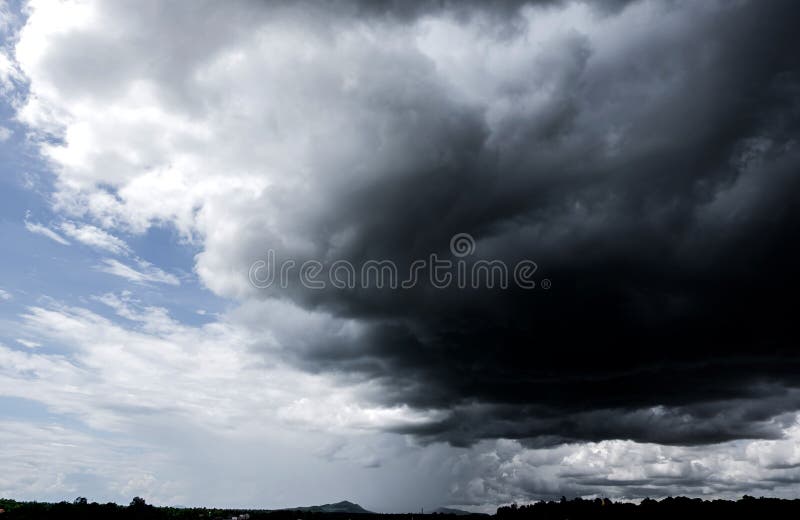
(667, 508)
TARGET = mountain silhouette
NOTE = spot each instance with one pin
(339, 507)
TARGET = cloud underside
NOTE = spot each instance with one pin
(645, 156)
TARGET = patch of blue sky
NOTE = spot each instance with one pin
(36, 269)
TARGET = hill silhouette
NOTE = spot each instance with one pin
(344, 506)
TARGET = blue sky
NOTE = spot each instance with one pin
(36, 266)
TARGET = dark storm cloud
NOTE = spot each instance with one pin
(656, 188)
(545, 424)
(672, 286)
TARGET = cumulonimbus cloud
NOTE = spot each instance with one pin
(644, 156)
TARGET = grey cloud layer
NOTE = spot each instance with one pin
(504, 471)
(644, 155)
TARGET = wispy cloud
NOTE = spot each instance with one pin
(110, 377)
(39, 229)
(95, 237)
(27, 343)
(5, 134)
(5, 295)
(145, 273)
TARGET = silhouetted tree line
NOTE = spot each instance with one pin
(81, 508)
(138, 509)
(680, 508)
